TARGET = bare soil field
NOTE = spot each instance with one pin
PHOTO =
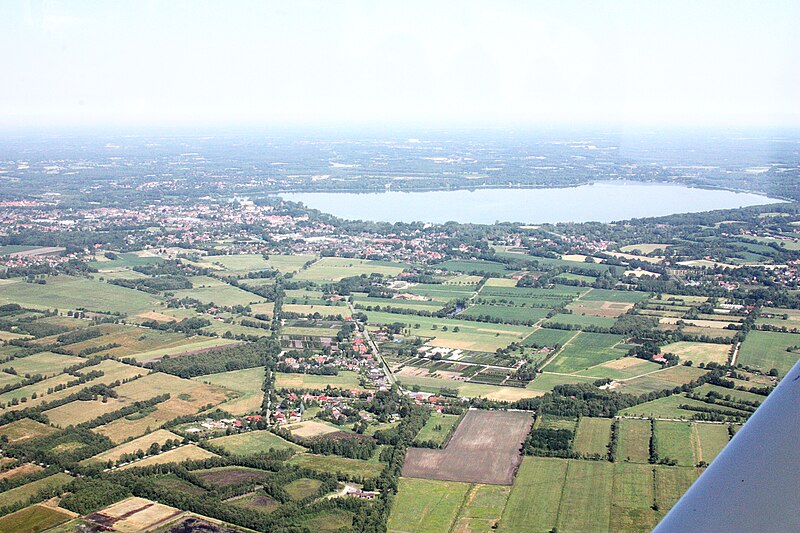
(231, 475)
(484, 449)
(135, 514)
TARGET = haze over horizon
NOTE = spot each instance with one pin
(184, 64)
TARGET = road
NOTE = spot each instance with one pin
(386, 370)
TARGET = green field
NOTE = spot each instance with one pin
(593, 435)
(438, 428)
(766, 350)
(329, 269)
(302, 488)
(67, 292)
(674, 441)
(577, 319)
(632, 498)
(32, 519)
(469, 390)
(331, 463)
(482, 267)
(21, 494)
(709, 440)
(44, 363)
(441, 293)
(588, 496)
(549, 337)
(535, 497)
(474, 336)
(247, 382)
(585, 350)
(506, 313)
(124, 260)
(423, 505)
(606, 295)
(625, 368)
(667, 407)
(213, 291)
(253, 443)
(545, 382)
(634, 440)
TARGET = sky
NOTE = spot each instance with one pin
(491, 63)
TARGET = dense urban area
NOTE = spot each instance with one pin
(183, 350)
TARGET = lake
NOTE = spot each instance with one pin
(600, 202)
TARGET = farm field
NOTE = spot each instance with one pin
(474, 336)
(586, 350)
(190, 452)
(437, 428)
(441, 293)
(302, 488)
(123, 261)
(211, 290)
(469, 390)
(345, 379)
(549, 337)
(138, 514)
(311, 428)
(230, 475)
(77, 293)
(253, 442)
(333, 463)
(766, 350)
(24, 492)
(634, 440)
(483, 449)
(574, 495)
(142, 443)
(330, 269)
(577, 319)
(545, 381)
(668, 378)
(669, 407)
(424, 505)
(699, 352)
(257, 501)
(33, 519)
(25, 429)
(246, 382)
(593, 436)
(45, 363)
(505, 313)
(624, 368)
(673, 441)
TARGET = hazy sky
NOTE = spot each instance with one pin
(404, 62)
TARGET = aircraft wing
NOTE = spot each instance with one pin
(754, 484)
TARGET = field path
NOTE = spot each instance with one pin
(697, 448)
(550, 359)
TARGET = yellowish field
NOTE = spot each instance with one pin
(310, 428)
(187, 397)
(711, 324)
(78, 412)
(142, 443)
(644, 248)
(137, 514)
(699, 352)
(324, 310)
(190, 452)
(501, 282)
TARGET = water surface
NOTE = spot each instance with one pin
(600, 202)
